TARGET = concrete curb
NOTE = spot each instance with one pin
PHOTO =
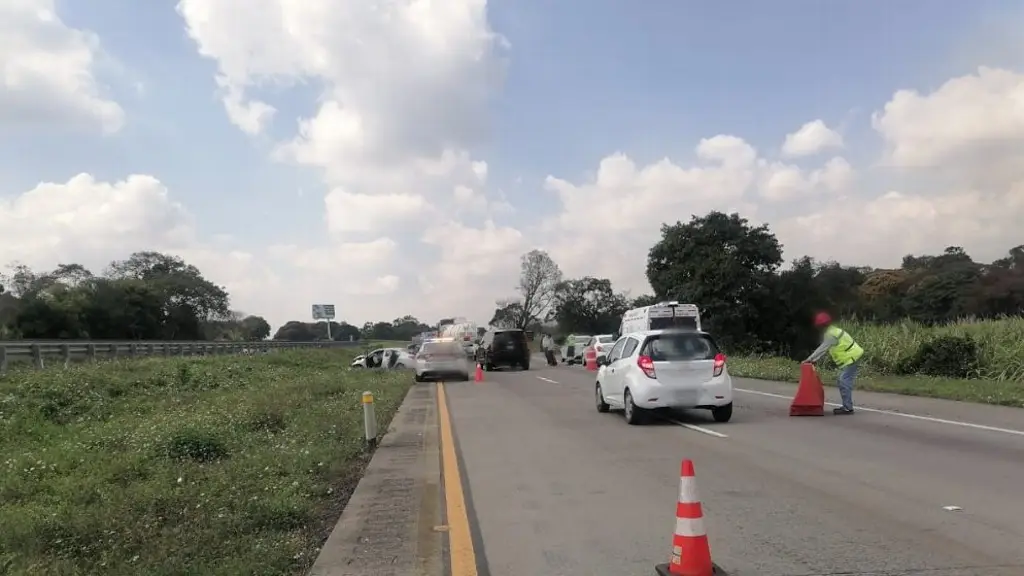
(388, 526)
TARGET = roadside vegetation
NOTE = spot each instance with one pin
(216, 465)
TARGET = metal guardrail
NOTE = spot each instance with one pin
(64, 351)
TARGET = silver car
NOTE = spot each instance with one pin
(442, 359)
(387, 358)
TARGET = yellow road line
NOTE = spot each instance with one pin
(460, 542)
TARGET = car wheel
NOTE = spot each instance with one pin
(602, 406)
(465, 377)
(526, 365)
(418, 378)
(488, 366)
(633, 414)
(722, 413)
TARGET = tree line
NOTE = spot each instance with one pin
(404, 329)
(733, 272)
(147, 296)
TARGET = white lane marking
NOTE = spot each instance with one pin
(546, 379)
(902, 415)
(952, 508)
(696, 428)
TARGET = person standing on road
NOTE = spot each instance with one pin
(570, 348)
(845, 352)
(548, 346)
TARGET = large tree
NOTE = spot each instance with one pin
(721, 263)
(539, 277)
(588, 305)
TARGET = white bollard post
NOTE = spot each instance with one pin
(369, 419)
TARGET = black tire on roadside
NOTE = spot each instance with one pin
(634, 415)
(722, 413)
(602, 406)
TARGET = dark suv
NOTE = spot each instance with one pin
(504, 348)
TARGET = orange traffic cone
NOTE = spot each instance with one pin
(691, 553)
(810, 394)
(590, 358)
(479, 376)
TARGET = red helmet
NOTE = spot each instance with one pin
(822, 319)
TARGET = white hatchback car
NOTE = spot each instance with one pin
(673, 369)
(439, 359)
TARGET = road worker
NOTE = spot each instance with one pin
(570, 348)
(846, 354)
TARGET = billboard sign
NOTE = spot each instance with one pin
(323, 311)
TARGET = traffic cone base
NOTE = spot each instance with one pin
(666, 570)
(810, 393)
(479, 375)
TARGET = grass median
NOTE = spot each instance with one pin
(218, 465)
(999, 392)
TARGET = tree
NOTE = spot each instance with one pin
(508, 315)
(538, 280)
(255, 328)
(643, 300)
(588, 305)
(723, 265)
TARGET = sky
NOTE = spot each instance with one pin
(397, 157)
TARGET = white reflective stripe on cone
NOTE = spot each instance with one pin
(688, 490)
(690, 527)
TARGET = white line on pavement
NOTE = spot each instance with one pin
(902, 415)
(696, 428)
(547, 379)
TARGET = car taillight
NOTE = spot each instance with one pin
(647, 365)
(719, 364)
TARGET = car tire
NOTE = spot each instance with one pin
(418, 378)
(722, 413)
(488, 367)
(633, 414)
(525, 365)
(602, 406)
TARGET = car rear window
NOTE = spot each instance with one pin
(440, 348)
(606, 339)
(680, 347)
(509, 336)
(677, 322)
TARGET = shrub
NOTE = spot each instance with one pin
(945, 356)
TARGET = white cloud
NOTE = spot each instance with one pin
(812, 138)
(48, 70)
(348, 212)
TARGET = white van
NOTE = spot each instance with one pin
(660, 316)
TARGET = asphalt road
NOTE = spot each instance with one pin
(556, 488)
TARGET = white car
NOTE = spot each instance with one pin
(440, 359)
(674, 369)
(602, 344)
(387, 358)
(577, 357)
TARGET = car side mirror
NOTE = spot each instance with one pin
(602, 361)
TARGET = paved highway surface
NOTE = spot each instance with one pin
(555, 488)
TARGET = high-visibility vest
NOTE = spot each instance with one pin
(571, 340)
(846, 351)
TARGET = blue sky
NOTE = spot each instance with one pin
(578, 82)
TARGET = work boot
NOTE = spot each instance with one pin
(842, 411)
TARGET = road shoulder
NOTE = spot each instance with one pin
(390, 524)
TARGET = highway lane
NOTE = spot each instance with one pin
(556, 488)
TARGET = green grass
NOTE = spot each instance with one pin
(1000, 344)
(1000, 392)
(206, 466)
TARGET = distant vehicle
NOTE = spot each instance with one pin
(462, 331)
(600, 344)
(672, 369)
(387, 358)
(580, 343)
(503, 347)
(442, 358)
(661, 316)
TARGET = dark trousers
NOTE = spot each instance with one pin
(550, 355)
